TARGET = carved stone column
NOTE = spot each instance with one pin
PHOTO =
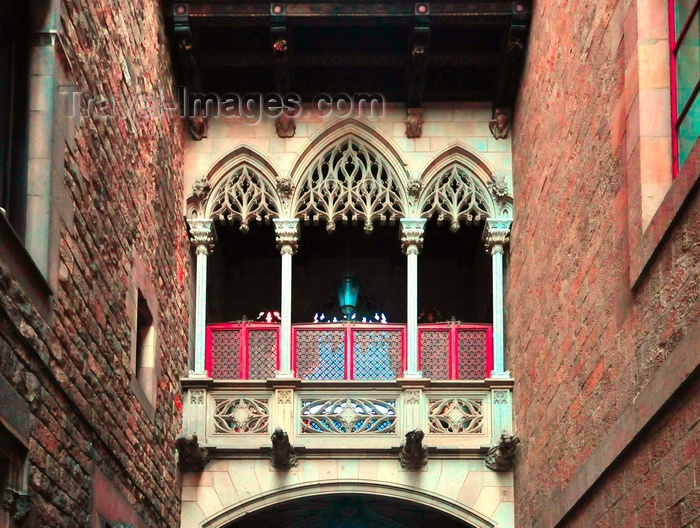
(287, 232)
(412, 230)
(496, 235)
(203, 237)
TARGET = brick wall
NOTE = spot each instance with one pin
(583, 342)
(122, 196)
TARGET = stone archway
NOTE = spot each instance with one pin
(371, 504)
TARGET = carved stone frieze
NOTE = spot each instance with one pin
(496, 234)
(284, 397)
(413, 455)
(414, 123)
(412, 231)
(501, 457)
(500, 124)
(287, 234)
(283, 455)
(412, 396)
(191, 457)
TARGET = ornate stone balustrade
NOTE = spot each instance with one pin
(240, 416)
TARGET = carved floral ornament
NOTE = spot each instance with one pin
(353, 181)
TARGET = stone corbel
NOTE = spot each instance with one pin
(500, 124)
(413, 455)
(285, 125)
(501, 457)
(191, 457)
(414, 123)
(283, 456)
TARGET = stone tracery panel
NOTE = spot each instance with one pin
(457, 196)
(350, 182)
(243, 197)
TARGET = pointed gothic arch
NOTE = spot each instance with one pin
(350, 173)
(247, 508)
(460, 186)
(240, 188)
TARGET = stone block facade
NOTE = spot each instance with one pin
(602, 295)
(104, 224)
(228, 489)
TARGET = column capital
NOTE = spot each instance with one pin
(412, 230)
(496, 234)
(203, 234)
(287, 232)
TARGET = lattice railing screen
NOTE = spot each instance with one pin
(320, 354)
(470, 354)
(262, 347)
(435, 349)
(377, 354)
(226, 354)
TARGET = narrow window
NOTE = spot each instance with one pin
(145, 347)
(684, 16)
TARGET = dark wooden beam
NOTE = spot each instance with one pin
(279, 37)
(185, 46)
(420, 44)
(254, 12)
(512, 56)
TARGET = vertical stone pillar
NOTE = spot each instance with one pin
(412, 230)
(203, 236)
(496, 235)
(287, 232)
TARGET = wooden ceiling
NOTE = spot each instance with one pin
(410, 52)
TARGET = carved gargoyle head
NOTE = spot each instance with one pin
(285, 125)
(500, 124)
(285, 187)
(199, 125)
(414, 123)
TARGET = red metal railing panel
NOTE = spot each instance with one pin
(455, 351)
(242, 350)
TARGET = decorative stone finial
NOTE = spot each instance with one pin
(285, 125)
(498, 187)
(201, 187)
(501, 457)
(500, 124)
(413, 455)
(283, 456)
(191, 457)
(414, 123)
